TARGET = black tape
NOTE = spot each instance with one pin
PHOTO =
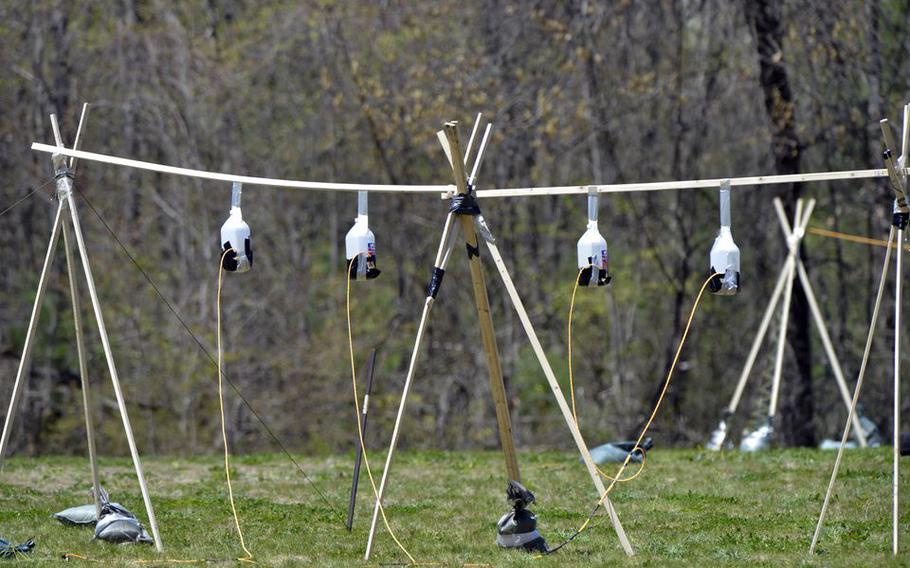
(372, 271)
(63, 172)
(229, 260)
(900, 220)
(435, 281)
(472, 251)
(249, 251)
(465, 204)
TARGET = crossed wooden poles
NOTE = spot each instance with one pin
(65, 221)
(897, 177)
(783, 291)
(466, 213)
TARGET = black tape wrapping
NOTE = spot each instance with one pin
(465, 204)
(900, 220)
(435, 281)
(472, 251)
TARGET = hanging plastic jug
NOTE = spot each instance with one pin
(360, 244)
(724, 256)
(593, 261)
(235, 234)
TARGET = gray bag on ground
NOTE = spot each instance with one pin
(616, 452)
(83, 515)
(120, 525)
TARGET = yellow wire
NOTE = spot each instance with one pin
(618, 478)
(227, 464)
(363, 446)
(572, 390)
(72, 555)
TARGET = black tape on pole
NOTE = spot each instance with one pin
(435, 281)
(465, 204)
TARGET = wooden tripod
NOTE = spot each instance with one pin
(472, 223)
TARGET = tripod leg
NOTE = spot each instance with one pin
(438, 270)
(781, 344)
(760, 336)
(856, 392)
(554, 384)
(488, 337)
(800, 220)
(898, 269)
(829, 349)
(115, 379)
(25, 361)
(83, 372)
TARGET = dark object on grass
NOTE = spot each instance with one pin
(905, 444)
(616, 452)
(10, 550)
(518, 527)
(118, 524)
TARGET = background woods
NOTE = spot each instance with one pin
(580, 92)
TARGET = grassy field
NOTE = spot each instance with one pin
(689, 508)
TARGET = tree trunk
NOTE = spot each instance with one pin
(764, 18)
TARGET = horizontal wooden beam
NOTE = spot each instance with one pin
(448, 190)
(246, 180)
(687, 184)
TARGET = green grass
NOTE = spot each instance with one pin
(689, 508)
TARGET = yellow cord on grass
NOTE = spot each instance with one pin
(74, 556)
(227, 464)
(618, 477)
(572, 389)
(363, 446)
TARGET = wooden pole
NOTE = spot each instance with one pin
(25, 361)
(896, 434)
(363, 429)
(115, 378)
(482, 303)
(760, 336)
(795, 239)
(83, 369)
(555, 388)
(438, 268)
(245, 180)
(447, 191)
(822, 328)
(856, 392)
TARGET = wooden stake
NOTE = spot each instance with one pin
(441, 258)
(83, 369)
(25, 361)
(115, 378)
(557, 392)
(482, 304)
(856, 392)
(363, 430)
(821, 327)
(896, 434)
